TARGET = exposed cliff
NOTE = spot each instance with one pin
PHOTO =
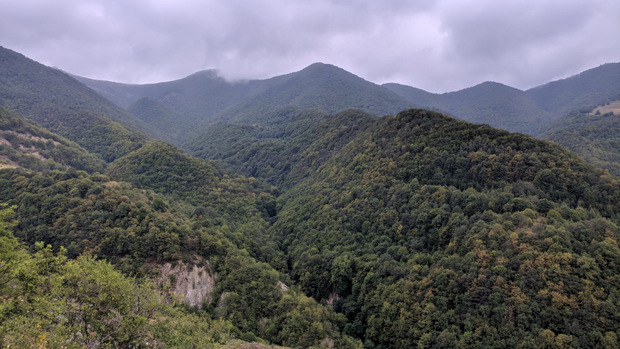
(193, 283)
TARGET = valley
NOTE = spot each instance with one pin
(314, 209)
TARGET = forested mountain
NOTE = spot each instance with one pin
(531, 111)
(25, 144)
(318, 86)
(283, 150)
(318, 226)
(427, 231)
(591, 87)
(594, 136)
(174, 209)
(204, 98)
(186, 109)
(65, 106)
(487, 103)
(198, 97)
(183, 223)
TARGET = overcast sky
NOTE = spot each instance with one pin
(438, 46)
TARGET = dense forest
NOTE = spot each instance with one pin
(305, 217)
(90, 218)
(476, 239)
(593, 135)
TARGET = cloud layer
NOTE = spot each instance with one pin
(438, 46)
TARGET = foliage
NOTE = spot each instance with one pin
(596, 138)
(25, 143)
(63, 105)
(166, 169)
(283, 149)
(438, 233)
(530, 111)
(174, 125)
(413, 230)
(126, 226)
(48, 300)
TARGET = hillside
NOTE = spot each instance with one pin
(531, 111)
(430, 231)
(175, 125)
(310, 224)
(204, 98)
(65, 106)
(195, 217)
(319, 86)
(25, 144)
(286, 148)
(192, 110)
(197, 97)
(591, 87)
(596, 138)
(489, 103)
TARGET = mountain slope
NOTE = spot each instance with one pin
(427, 231)
(197, 96)
(205, 98)
(175, 125)
(487, 103)
(530, 111)
(589, 88)
(319, 86)
(65, 106)
(283, 150)
(596, 138)
(25, 144)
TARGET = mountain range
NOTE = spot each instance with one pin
(314, 209)
(195, 103)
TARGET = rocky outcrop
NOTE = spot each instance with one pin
(191, 282)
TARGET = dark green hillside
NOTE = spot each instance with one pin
(319, 86)
(205, 98)
(592, 87)
(23, 143)
(497, 105)
(65, 106)
(487, 103)
(174, 125)
(596, 138)
(430, 232)
(136, 230)
(283, 149)
(530, 111)
(197, 96)
(168, 170)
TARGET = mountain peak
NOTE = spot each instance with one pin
(324, 68)
(207, 73)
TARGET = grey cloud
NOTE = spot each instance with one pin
(438, 46)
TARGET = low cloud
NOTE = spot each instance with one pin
(438, 46)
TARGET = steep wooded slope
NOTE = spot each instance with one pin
(596, 138)
(530, 111)
(196, 212)
(204, 97)
(434, 232)
(591, 87)
(25, 144)
(284, 149)
(65, 106)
